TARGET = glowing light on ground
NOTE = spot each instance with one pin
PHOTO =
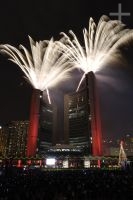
(122, 155)
(101, 44)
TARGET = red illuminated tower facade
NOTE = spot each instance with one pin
(34, 123)
(96, 130)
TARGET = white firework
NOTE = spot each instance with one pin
(44, 66)
(101, 43)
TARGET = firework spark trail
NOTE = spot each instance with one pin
(82, 78)
(101, 44)
(48, 96)
(44, 66)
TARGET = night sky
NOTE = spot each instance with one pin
(43, 19)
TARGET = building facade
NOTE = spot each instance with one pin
(77, 120)
(48, 128)
(15, 138)
(3, 139)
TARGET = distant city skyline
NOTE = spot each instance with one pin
(13, 136)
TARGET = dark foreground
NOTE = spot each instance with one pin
(66, 185)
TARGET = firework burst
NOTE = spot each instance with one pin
(101, 44)
(44, 66)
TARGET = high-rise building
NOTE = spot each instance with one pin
(3, 139)
(16, 138)
(48, 127)
(82, 122)
(82, 119)
(77, 120)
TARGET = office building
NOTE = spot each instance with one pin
(48, 130)
(16, 138)
(77, 120)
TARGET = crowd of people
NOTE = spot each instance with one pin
(19, 184)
